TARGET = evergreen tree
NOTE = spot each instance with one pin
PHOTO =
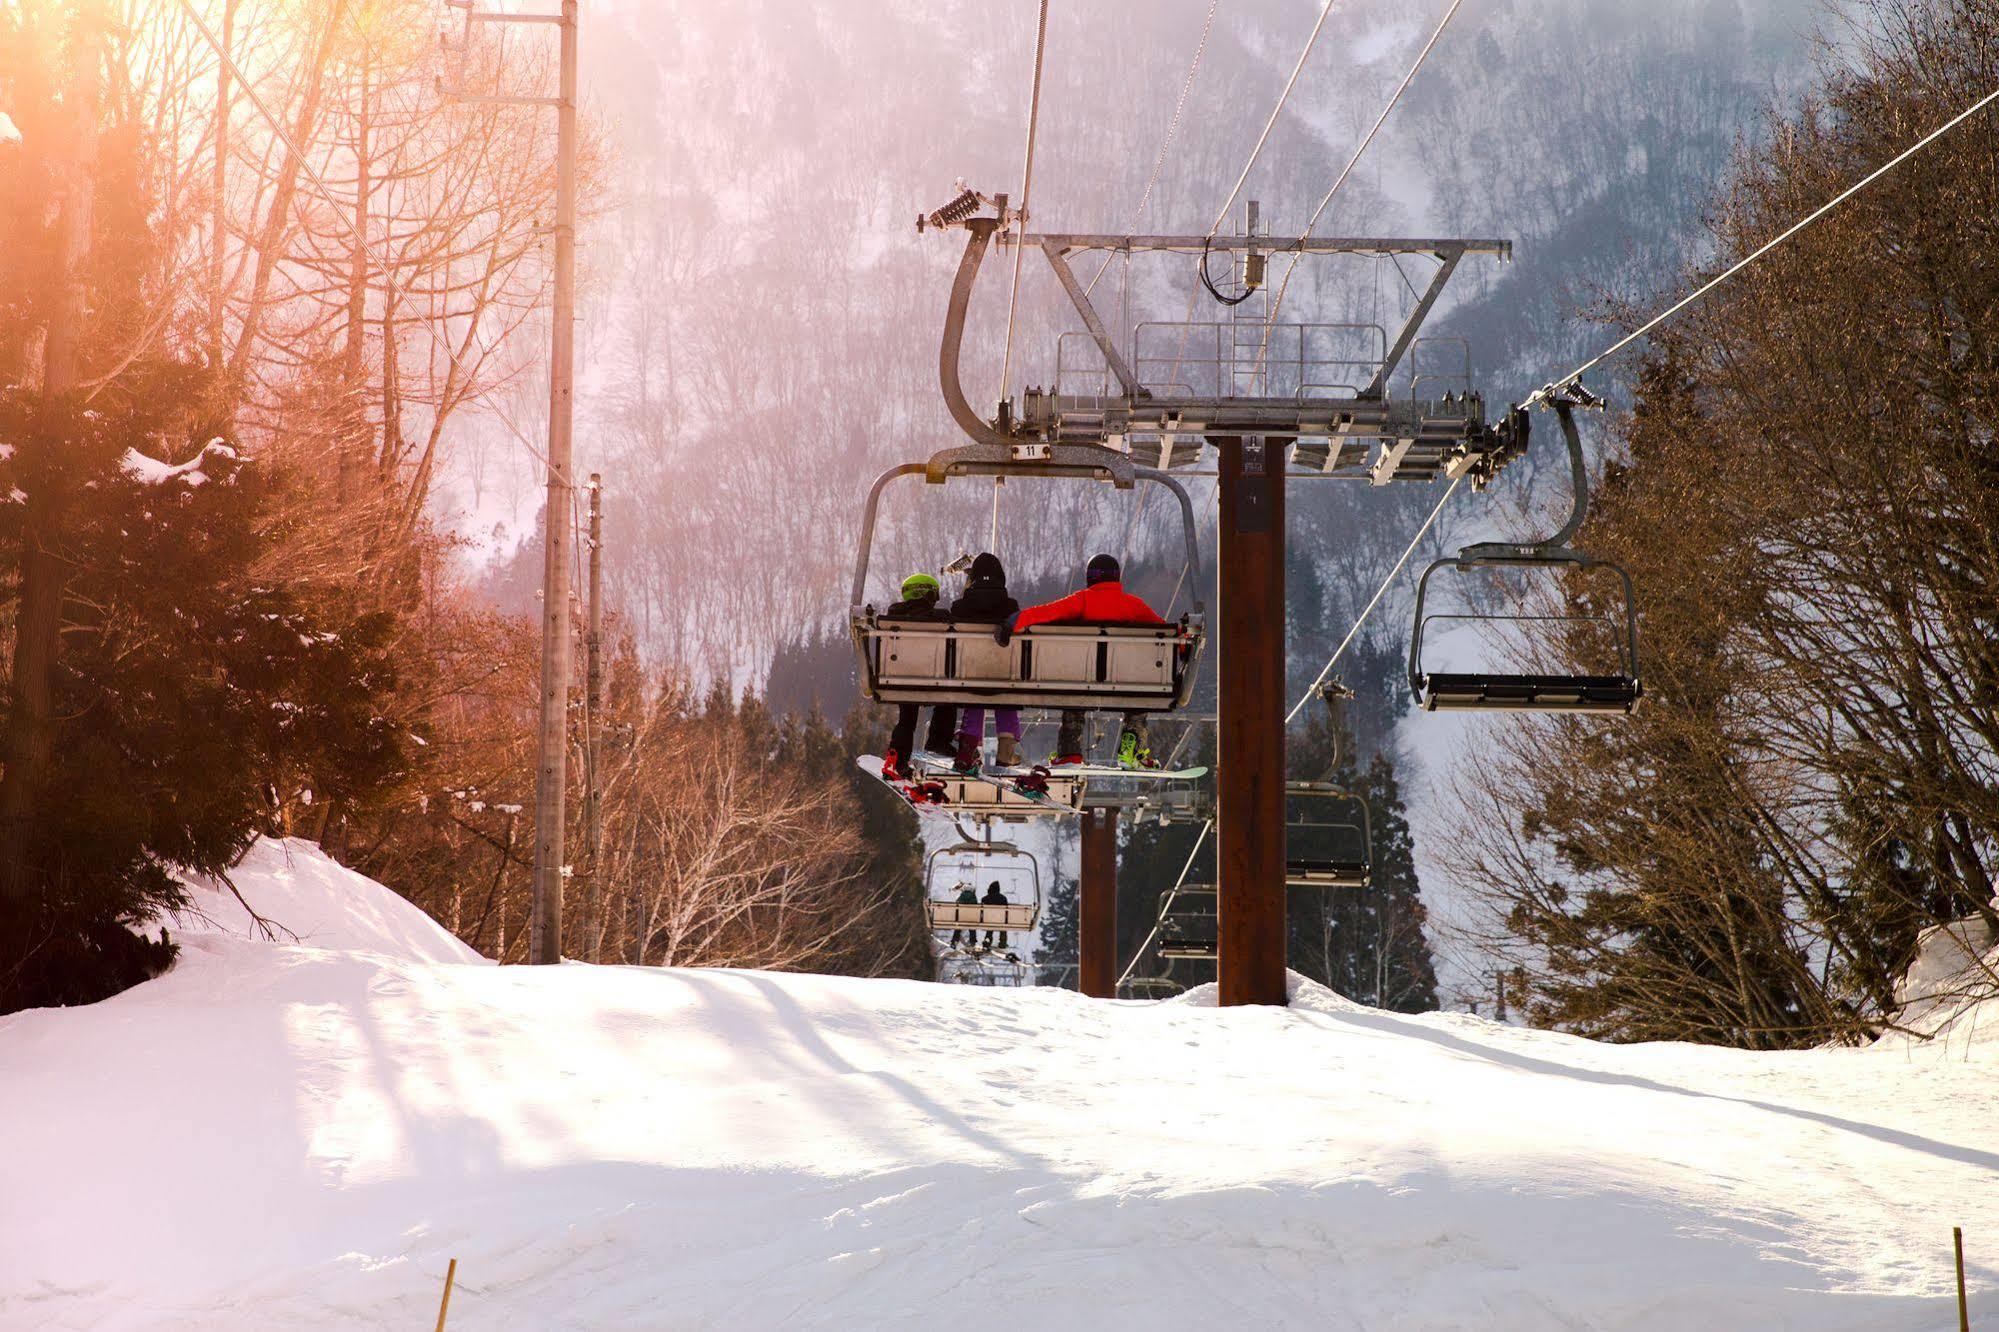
(192, 686)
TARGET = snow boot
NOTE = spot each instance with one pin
(1132, 756)
(1066, 760)
(892, 767)
(1009, 750)
(966, 760)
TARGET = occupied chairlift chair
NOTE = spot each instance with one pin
(977, 864)
(1112, 668)
(1612, 694)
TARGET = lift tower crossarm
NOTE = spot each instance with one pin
(1441, 247)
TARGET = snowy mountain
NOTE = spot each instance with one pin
(312, 1125)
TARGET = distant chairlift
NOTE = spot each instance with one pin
(974, 865)
(1189, 925)
(1329, 837)
(1613, 693)
(1113, 668)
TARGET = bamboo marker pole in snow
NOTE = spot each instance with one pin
(444, 1305)
(1964, 1311)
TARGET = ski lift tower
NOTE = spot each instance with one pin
(1276, 403)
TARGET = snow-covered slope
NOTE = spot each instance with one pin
(302, 1134)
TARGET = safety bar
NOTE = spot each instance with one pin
(1066, 460)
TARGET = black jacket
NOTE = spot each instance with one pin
(923, 608)
(994, 897)
(985, 600)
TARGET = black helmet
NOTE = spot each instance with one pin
(987, 570)
(1103, 569)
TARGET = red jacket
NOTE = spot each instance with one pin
(1100, 603)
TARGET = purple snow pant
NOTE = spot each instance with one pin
(1006, 721)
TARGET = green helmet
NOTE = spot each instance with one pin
(920, 585)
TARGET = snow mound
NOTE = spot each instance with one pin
(1952, 981)
(284, 1135)
(304, 897)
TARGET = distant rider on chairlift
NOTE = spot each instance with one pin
(919, 602)
(994, 897)
(967, 896)
(1102, 600)
(986, 602)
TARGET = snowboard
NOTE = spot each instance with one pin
(925, 793)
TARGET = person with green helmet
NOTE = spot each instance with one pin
(920, 592)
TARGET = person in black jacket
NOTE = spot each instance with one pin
(920, 592)
(994, 897)
(986, 602)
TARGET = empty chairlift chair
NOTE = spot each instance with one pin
(1614, 691)
(1189, 925)
(1329, 840)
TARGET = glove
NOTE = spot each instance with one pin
(1003, 631)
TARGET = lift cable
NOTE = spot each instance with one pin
(1172, 129)
(1020, 249)
(1223, 214)
(1026, 185)
(1544, 393)
(1555, 386)
(1166, 903)
(1277, 302)
(1373, 601)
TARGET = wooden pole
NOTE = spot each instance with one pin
(444, 1305)
(552, 773)
(1249, 780)
(593, 710)
(1963, 1308)
(1097, 908)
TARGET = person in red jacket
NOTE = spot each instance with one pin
(1103, 600)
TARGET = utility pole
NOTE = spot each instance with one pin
(552, 772)
(551, 780)
(593, 708)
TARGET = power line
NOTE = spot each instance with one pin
(277, 128)
(1543, 393)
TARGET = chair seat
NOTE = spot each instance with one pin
(1326, 873)
(1606, 694)
(1193, 948)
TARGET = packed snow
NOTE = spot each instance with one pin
(308, 1117)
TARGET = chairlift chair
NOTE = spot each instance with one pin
(1329, 838)
(977, 864)
(1613, 693)
(1190, 924)
(1112, 668)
